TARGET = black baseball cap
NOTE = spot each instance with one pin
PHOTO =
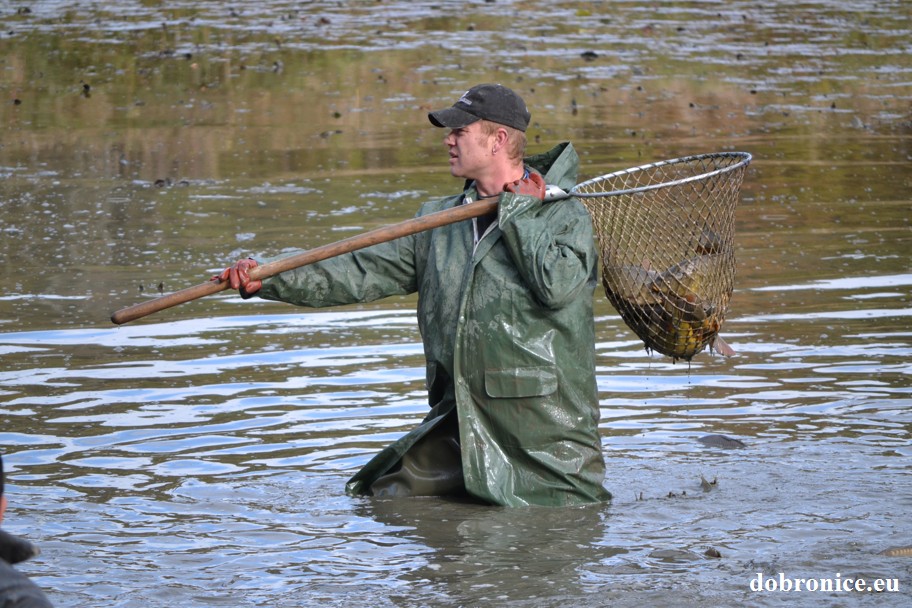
(493, 102)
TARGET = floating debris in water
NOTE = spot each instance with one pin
(721, 441)
(707, 485)
(167, 182)
(674, 555)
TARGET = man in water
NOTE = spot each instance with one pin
(15, 588)
(505, 314)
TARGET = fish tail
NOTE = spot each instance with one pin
(721, 346)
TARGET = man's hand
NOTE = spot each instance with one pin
(238, 277)
(533, 185)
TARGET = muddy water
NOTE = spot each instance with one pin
(198, 457)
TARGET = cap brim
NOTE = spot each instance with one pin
(452, 118)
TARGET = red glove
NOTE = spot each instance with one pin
(533, 185)
(238, 277)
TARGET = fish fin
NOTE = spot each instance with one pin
(721, 346)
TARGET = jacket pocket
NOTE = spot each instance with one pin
(523, 408)
(520, 382)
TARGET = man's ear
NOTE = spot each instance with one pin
(2, 507)
(501, 136)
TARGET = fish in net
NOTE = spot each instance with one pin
(666, 238)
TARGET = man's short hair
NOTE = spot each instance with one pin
(516, 139)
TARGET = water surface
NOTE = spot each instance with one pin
(198, 457)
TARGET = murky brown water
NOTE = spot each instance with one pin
(198, 457)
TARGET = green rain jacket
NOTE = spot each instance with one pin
(507, 326)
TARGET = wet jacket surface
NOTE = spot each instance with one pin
(507, 327)
(16, 589)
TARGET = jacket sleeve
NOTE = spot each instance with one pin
(382, 270)
(551, 245)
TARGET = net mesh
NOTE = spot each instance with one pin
(666, 237)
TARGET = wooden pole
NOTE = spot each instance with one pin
(372, 237)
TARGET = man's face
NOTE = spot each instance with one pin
(470, 150)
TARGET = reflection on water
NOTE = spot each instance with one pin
(199, 457)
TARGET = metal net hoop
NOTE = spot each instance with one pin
(665, 233)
